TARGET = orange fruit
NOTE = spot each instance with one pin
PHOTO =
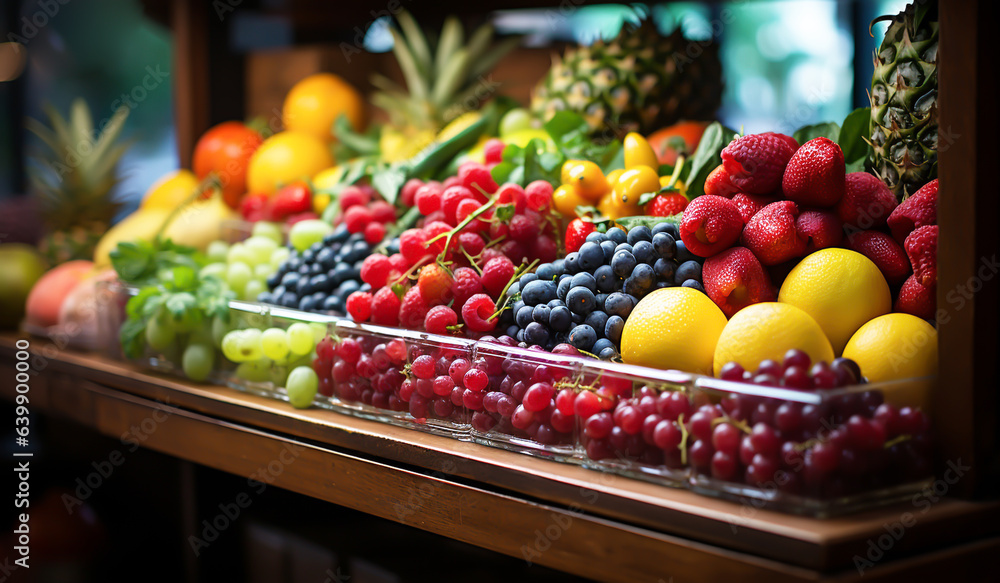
(315, 103)
(689, 131)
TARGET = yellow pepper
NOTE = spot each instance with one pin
(632, 184)
(566, 198)
(638, 152)
(589, 180)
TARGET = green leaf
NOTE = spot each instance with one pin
(133, 260)
(504, 213)
(358, 144)
(706, 157)
(131, 336)
(820, 130)
(853, 133)
(179, 303)
(426, 163)
(564, 122)
(855, 166)
(388, 182)
(649, 221)
(135, 304)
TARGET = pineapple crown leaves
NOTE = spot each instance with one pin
(74, 178)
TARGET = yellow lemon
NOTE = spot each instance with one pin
(894, 346)
(768, 330)
(840, 289)
(327, 179)
(285, 157)
(673, 328)
(315, 103)
(170, 190)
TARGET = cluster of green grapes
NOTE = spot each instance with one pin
(282, 357)
(193, 339)
(245, 266)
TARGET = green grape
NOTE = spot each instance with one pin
(278, 375)
(219, 329)
(189, 320)
(270, 230)
(231, 346)
(274, 343)
(300, 338)
(301, 386)
(278, 256)
(253, 289)
(217, 252)
(238, 253)
(260, 248)
(238, 275)
(262, 271)
(159, 336)
(198, 361)
(249, 344)
(217, 269)
(514, 120)
(305, 233)
(319, 332)
(201, 335)
(255, 371)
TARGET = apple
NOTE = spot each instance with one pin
(21, 266)
(47, 297)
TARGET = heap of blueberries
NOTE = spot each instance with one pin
(585, 298)
(320, 278)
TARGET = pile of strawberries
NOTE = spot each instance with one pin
(772, 202)
(450, 271)
(291, 204)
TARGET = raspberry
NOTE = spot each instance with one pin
(815, 174)
(666, 205)
(439, 318)
(375, 270)
(511, 193)
(493, 151)
(353, 196)
(413, 309)
(450, 199)
(357, 218)
(432, 230)
(359, 306)
(513, 250)
(539, 194)
(477, 178)
(756, 162)
(409, 190)
(466, 285)
(523, 229)
(472, 243)
(496, 275)
(382, 212)
(374, 233)
(385, 307)
(477, 313)
(428, 199)
(710, 224)
(921, 248)
(435, 284)
(488, 254)
(412, 245)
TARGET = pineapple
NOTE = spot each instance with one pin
(441, 82)
(638, 82)
(904, 122)
(74, 178)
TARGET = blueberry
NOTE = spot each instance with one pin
(659, 228)
(617, 235)
(265, 298)
(591, 256)
(290, 279)
(619, 304)
(608, 353)
(556, 303)
(540, 314)
(513, 290)
(538, 292)
(596, 237)
(289, 300)
(635, 287)
(668, 228)
(309, 255)
(355, 237)
(564, 286)
(392, 246)
(364, 287)
(601, 345)
(606, 280)
(664, 245)
(583, 337)
(639, 233)
(572, 262)
(347, 288)
(581, 300)
(277, 292)
(688, 270)
(665, 269)
(304, 287)
(527, 278)
(643, 273)
(516, 306)
(523, 316)
(293, 263)
(562, 337)
(577, 318)
(512, 330)
(340, 273)
(327, 258)
(536, 333)
(520, 336)
(623, 247)
(321, 283)
(683, 254)
(609, 250)
(303, 269)
(694, 284)
(613, 328)
(623, 263)
(664, 284)
(559, 266)
(316, 269)
(274, 279)
(339, 234)
(601, 298)
(307, 304)
(333, 304)
(597, 320)
(546, 272)
(560, 319)
(584, 279)
(644, 253)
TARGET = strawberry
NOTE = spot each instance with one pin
(719, 184)
(771, 233)
(815, 174)
(820, 229)
(884, 252)
(918, 210)
(256, 207)
(916, 299)
(666, 205)
(750, 204)
(755, 163)
(576, 234)
(413, 309)
(734, 279)
(867, 201)
(921, 248)
(435, 284)
(710, 224)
